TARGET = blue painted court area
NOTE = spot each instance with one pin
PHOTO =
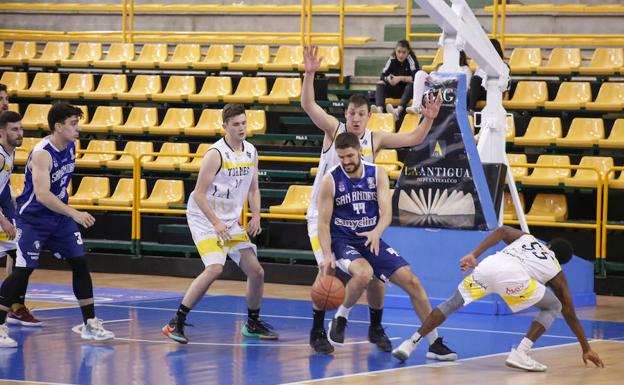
(218, 354)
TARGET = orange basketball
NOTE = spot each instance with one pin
(328, 292)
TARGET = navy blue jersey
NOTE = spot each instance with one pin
(356, 209)
(63, 162)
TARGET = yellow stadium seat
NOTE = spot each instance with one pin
(126, 162)
(296, 201)
(2, 52)
(548, 208)
(604, 61)
(104, 119)
(85, 115)
(52, 54)
(248, 91)
(15, 81)
(583, 132)
(381, 122)
(509, 211)
(587, 178)
(542, 131)
(90, 190)
(139, 121)
(36, 116)
(119, 54)
(14, 107)
(331, 57)
(217, 57)
(410, 122)
(17, 184)
(77, 144)
(96, 160)
(252, 58)
(109, 87)
(549, 176)
(209, 124)
(528, 95)
(525, 61)
(284, 91)
(150, 57)
(287, 58)
(174, 122)
(571, 96)
(510, 128)
(437, 60)
(393, 170)
(178, 88)
(195, 163)
(21, 155)
(20, 53)
(86, 54)
(562, 61)
(213, 90)
(616, 138)
(613, 183)
(256, 122)
(184, 56)
(165, 194)
(610, 98)
(169, 163)
(75, 86)
(143, 87)
(517, 172)
(124, 193)
(42, 85)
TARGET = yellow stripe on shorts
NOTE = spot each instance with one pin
(316, 245)
(212, 245)
(526, 295)
(473, 288)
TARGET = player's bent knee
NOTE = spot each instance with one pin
(256, 274)
(214, 269)
(451, 305)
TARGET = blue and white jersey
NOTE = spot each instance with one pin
(63, 162)
(356, 209)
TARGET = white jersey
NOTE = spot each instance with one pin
(536, 259)
(5, 173)
(329, 159)
(229, 189)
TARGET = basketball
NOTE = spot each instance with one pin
(328, 292)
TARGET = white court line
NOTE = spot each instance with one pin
(36, 382)
(233, 344)
(352, 321)
(376, 372)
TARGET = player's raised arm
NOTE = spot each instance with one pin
(40, 166)
(415, 137)
(321, 119)
(326, 209)
(559, 284)
(504, 233)
(208, 170)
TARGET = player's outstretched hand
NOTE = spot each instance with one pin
(328, 266)
(311, 63)
(253, 227)
(431, 107)
(593, 357)
(7, 227)
(468, 262)
(84, 219)
(372, 240)
(223, 233)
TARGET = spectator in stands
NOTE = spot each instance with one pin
(476, 91)
(397, 79)
(463, 65)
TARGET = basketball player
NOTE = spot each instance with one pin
(227, 177)
(356, 115)
(44, 220)
(4, 98)
(11, 136)
(354, 210)
(518, 273)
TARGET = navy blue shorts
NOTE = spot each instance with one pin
(384, 265)
(61, 237)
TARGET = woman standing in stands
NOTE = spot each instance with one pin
(397, 79)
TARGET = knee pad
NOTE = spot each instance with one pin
(550, 309)
(451, 305)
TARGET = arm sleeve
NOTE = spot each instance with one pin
(387, 70)
(414, 65)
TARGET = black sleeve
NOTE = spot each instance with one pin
(414, 65)
(388, 68)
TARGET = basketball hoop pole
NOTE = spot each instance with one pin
(462, 31)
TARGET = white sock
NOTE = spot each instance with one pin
(343, 312)
(432, 336)
(416, 338)
(525, 345)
